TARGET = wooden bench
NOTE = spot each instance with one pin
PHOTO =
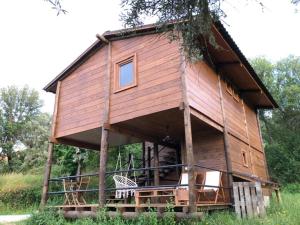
(154, 196)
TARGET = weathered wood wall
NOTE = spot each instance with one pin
(209, 149)
(204, 96)
(80, 103)
(203, 91)
(158, 81)
(159, 87)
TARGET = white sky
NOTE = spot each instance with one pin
(36, 45)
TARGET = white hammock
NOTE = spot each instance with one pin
(124, 186)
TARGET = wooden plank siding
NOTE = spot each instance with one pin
(81, 96)
(158, 77)
(209, 149)
(203, 91)
(159, 88)
(204, 96)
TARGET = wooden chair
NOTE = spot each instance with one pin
(82, 185)
(182, 191)
(70, 197)
(212, 184)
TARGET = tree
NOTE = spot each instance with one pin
(17, 108)
(194, 19)
(281, 128)
(35, 139)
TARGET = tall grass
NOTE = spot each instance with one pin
(19, 193)
(286, 213)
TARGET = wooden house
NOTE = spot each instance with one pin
(135, 86)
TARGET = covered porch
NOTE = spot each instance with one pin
(169, 168)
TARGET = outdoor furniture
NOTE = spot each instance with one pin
(182, 191)
(124, 186)
(147, 196)
(72, 194)
(70, 197)
(212, 185)
(83, 186)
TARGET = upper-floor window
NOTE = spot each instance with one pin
(125, 74)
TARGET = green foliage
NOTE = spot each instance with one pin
(281, 127)
(286, 213)
(49, 216)
(19, 191)
(64, 157)
(22, 126)
(195, 19)
(292, 188)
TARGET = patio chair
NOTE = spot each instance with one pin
(70, 197)
(182, 191)
(212, 184)
(82, 185)
(124, 186)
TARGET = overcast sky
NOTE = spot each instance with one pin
(36, 45)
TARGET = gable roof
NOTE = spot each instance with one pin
(231, 62)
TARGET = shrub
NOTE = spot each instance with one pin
(19, 191)
(49, 216)
(292, 188)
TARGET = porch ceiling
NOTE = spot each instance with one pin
(153, 127)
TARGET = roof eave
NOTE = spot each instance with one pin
(95, 46)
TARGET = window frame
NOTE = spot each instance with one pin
(117, 66)
(244, 158)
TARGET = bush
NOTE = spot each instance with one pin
(45, 217)
(291, 188)
(18, 191)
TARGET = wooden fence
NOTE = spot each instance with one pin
(248, 199)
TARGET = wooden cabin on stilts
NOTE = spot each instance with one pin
(197, 122)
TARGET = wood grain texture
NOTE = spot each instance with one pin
(158, 77)
(203, 90)
(81, 99)
(209, 149)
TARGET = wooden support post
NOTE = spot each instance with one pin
(44, 197)
(156, 164)
(104, 131)
(47, 176)
(102, 166)
(188, 136)
(190, 159)
(149, 165)
(226, 144)
(144, 155)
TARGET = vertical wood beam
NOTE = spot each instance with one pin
(55, 111)
(144, 155)
(102, 166)
(149, 165)
(104, 131)
(262, 146)
(47, 174)
(248, 138)
(188, 136)
(156, 164)
(226, 142)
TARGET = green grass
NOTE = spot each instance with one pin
(19, 193)
(17, 181)
(286, 213)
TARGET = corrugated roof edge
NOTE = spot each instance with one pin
(124, 33)
(235, 48)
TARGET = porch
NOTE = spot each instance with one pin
(168, 151)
